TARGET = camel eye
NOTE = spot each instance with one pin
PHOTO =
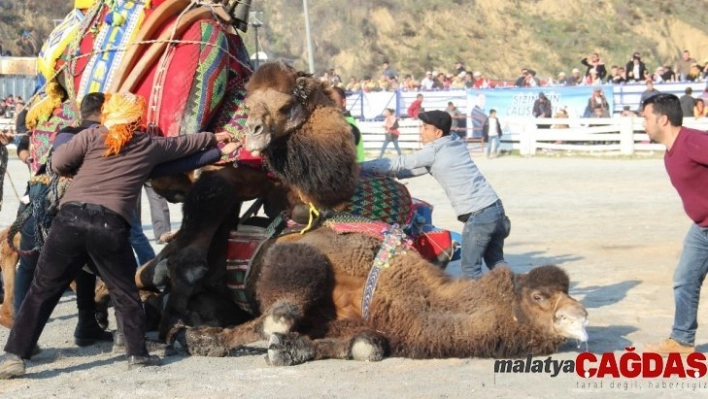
(286, 109)
(537, 297)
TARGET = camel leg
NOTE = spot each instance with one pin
(8, 264)
(294, 278)
(347, 339)
(210, 206)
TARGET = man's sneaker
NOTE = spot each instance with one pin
(142, 361)
(667, 346)
(11, 366)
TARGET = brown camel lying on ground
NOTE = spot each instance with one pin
(321, 283)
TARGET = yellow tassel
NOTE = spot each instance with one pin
(313, 214)
(83, 4)
(42, 111)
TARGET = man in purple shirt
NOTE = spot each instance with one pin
(686, 162)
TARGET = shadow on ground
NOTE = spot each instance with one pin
(597, 296)
(519, 263)
(602, 339)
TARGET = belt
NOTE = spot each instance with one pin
(464, 218)
(90, 207)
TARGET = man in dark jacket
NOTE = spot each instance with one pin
(87, 330)
(112, 161)
(635, 69)
(687, 103)
(594, 62)
(542, 109)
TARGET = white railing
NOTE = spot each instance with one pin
(623, 136)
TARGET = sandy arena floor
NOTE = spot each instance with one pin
(616, 226)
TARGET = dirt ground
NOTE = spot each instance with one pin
(615, 225)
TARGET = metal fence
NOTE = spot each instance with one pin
(368, 106)
(17, 85)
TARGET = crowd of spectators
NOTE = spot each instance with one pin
(594, 72)
(11, 106)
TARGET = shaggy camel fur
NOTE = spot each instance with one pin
(8, 262)
(302, 134)
(313, 284)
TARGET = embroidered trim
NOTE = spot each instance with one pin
(392, 244)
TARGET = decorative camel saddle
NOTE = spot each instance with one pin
(377, 208)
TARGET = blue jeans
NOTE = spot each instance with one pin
(139, 241)
(393, 140)
(493, 145)
(483, 238)
(688, 278)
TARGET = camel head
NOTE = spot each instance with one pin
(542, 299)
(279, 100)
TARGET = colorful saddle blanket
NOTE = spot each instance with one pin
(42, 137)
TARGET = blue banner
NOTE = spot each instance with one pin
(519, 101)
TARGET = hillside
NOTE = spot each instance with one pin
(17, 16)
(497, 37)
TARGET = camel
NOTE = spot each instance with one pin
(315, 295)
(8, 261)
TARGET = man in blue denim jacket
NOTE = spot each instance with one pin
(476, 204)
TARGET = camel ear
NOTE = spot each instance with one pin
(303, 87)
(297, 116)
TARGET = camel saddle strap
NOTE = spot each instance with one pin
(394, 242)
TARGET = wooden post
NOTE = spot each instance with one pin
(527, 142)
(626, 136)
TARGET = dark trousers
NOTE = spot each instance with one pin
(80, 233)
(85, 281)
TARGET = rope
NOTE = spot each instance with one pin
(15, 229)
(14, 189)
(3, 170)
(313, 213)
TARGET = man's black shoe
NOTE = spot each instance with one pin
(88, 332)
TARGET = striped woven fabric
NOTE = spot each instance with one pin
(381, 198)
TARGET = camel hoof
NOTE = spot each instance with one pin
(288, 350)
(102, 318)
(6, 320)
(368, 349)
(197, 341)
(281, 318)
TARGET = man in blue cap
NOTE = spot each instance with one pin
(447, 159)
